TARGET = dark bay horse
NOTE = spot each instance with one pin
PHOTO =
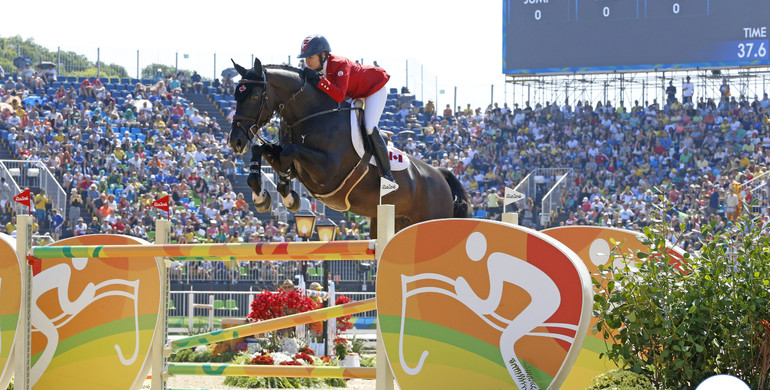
(315, 145)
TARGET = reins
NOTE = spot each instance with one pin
(281, 107)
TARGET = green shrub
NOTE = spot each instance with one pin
(621, 380)
(280, 383)
(191, 356)
(368, 360)
(682, 325)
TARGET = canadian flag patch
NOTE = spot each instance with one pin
(340, 73)
(242, 88)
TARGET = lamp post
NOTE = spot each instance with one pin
(327, 231)
(305, 221)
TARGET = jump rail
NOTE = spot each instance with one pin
(290, 251)
(294, 251)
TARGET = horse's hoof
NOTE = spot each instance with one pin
(254, 182)
(295, 202)
(262, 203)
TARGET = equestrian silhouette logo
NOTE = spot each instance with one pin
(10, 305)
(483, 293)
(85, 307)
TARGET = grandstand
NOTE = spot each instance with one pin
(576, 162)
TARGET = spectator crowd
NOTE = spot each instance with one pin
(115, 156)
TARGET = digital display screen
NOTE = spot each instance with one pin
(567, 36)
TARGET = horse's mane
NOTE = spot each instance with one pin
(283, 67)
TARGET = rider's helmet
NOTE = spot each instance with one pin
(313, 45)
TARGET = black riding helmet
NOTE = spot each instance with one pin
(313, 45)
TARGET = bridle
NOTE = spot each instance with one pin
(237, 118)
(263, 98)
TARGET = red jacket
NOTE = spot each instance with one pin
(345, 78)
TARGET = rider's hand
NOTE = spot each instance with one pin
(312, 76)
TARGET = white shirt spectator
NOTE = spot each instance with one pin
(625, 214)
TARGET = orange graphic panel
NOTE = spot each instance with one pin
(93, 320)
(466, 303)
(593, 244)
(10, 305)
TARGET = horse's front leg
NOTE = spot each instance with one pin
(285, 161)
(260, 197)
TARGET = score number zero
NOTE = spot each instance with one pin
(605, 11)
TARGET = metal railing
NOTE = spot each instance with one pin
(550, 201)
(543, 181)
(236, 304)
(18, 208)
(759, 189)
(28, 174)
(268, 272)
(524, 188)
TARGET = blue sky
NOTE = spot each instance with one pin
(447, 44)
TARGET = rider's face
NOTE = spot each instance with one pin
(313, 62)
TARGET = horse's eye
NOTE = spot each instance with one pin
(255, 97)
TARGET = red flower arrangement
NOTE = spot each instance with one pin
(343, 323)
(264, 360)
(304, 356)
(307, 350)
(268, 305)
(290, 363)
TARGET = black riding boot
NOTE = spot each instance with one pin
(381, 154)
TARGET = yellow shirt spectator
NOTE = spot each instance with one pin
(119, 153)
(41, 200)
(493, 200)
(745, 162)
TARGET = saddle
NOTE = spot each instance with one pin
(358, 104)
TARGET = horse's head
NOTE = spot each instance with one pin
(253, 107)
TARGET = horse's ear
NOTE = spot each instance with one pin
(257, 64)
(241, 70)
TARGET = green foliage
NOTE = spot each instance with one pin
(621, 380)
(281, 383)
(149, 70)
(191, 356)
(369, 361)
(682, 325)
(356, 345)
(72, 64)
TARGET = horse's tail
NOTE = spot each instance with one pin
(461, 199)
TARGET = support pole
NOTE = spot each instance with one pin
(162, 236)
(23, 343)
(512, 218)
(386, 214)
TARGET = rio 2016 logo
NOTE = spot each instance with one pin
(480, 304)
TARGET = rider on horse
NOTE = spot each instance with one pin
(342, 78)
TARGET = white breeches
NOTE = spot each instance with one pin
(374, 104)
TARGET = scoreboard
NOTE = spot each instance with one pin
(566, 36)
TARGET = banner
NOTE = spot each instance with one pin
(387, 186)
(161, 203)
(23, 198)
(512, 196)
